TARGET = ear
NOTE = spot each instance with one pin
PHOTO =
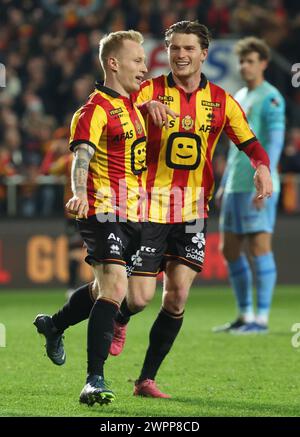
(112, 63)
(204, 54)
(264, 64)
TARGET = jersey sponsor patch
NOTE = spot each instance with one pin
(211, 104)
(115, 111)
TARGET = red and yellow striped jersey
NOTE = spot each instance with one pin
(114, 127)
(179, 175)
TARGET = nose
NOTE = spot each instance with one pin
(144, 68)
(181, 53)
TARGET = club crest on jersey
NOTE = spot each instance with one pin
(187, 122)
(138, 127)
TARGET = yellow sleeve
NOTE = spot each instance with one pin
(236, 124)
(87, 125)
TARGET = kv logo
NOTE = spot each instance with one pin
(296, 338)
(296, 75)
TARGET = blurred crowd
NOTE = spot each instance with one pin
(50, 51)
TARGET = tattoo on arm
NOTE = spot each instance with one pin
(80, 167)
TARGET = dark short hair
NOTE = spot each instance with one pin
(188, 27)
(252, 44)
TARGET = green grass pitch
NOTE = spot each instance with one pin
(207, 374)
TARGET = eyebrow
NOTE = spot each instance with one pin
(141, 58)
(174, 46)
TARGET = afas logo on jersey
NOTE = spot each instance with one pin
(209, 128)
(123, 136)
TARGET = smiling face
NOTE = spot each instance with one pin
(183, 151)
(186, 55)
(130, 66)
(138, 156)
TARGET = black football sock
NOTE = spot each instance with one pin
(162, 335)
(73, 267)
(100, 334)
(124, 313)
(77, 308)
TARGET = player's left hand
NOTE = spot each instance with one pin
(263, 182)
(78, 205)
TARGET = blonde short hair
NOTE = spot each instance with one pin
(111, 43)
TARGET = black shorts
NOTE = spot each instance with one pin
(110, 242)
(73, 236)
(161, 242)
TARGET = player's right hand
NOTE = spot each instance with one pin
(78, 205)
(159, 113)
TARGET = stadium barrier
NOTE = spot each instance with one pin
(33, 254)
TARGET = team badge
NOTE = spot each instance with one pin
(187, 122)
(138, 127)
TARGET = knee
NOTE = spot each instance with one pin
(230, 253)
(140, 292)
(225, 250)
(259, 249)
(174, 306)
(137, 306)
(114, 285)
(174, 300)
(138, 302)
(231, 246)
(118, 289)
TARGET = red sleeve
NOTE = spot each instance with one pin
(257, 154)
